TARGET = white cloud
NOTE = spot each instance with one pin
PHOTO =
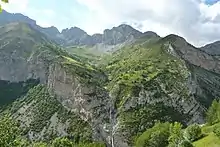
(192, 19)
(16, 6)
(48, 12)
(43, 17)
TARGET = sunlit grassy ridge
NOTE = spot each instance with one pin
(209, 139)
(86, 53)
(73, 63)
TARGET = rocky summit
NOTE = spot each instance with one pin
(103, 89)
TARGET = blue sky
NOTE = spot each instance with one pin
(69, 11)
(211, 2)
(196, 20)
(55, 12)
(51, 12)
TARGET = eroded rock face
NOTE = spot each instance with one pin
(190, 91)
(204, 68)
(91, 102)
(12, 67)
(213, 48)
(188, 110)
(196, 56)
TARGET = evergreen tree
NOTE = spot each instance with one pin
(213, 113)
(156, 136)
(9, 132)
(193, 132)
(62, 142)
(176, 135)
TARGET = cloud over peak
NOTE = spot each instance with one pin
(196, 20)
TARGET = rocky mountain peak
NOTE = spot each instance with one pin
(75, 36)
(123, 29)
(120, 34)
(173, 37)
(213, 48)
(110, 39)
(73, 31)
(6, 17)
(150, 34)
(52, 30)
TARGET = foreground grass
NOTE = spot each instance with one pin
(210, 140)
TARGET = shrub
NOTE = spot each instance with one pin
(9, 132)
(217, 131)
(185, 143)
(62, 142)
(176, 134)
(156, 136)
(213, 113)
(95, 144)
(193, 132)
(39, 144)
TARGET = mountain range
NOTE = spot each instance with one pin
(75, 36)
(108, 87)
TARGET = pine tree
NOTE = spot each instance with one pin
(213, 113)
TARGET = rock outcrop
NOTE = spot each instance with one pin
(212, 48)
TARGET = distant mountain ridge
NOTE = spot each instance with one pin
(212, 48)
(75, 36)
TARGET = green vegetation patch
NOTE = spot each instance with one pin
(45, 105)
(10, 91)
(74, 64)
(148, 66)
(137, 120)
(78, 129)
(209, 141)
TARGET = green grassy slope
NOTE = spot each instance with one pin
(74, 63)
(209, 139)
(10, 91)
(85, 53)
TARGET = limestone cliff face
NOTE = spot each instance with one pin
(17, 41)
(196, 56)
(204, 68)
(92, 103)
(88, 100)
(12, 66)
